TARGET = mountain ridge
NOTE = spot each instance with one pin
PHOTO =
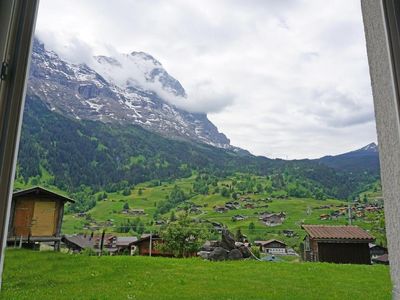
(81, 92)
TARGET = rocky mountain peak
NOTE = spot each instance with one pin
(126, 89)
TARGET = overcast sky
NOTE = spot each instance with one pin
(281, 78)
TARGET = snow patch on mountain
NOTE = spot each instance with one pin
(130, 89)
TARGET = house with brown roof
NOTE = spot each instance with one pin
(273, 219)
(337, 244)
(272, 246)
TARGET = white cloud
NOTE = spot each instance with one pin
(283, 78)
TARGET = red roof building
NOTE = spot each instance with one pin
(337, 244)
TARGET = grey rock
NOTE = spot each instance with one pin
(204, 254)
(245, 251)
(218, 254)
(227, 240)
(235, 254)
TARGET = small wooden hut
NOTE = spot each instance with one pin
(36, 216)
(337, 244)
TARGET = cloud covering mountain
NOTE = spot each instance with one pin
(284, 78)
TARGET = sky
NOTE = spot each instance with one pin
(281, 78)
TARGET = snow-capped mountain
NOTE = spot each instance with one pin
(128, 89)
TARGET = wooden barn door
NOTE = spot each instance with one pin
(43, 221)
(23, 218)
(346, 253)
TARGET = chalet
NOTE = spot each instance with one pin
(195, 210)
(249, 206)
(376, 250)
(113, 244)
(289, 233)
(273, 219)
(324, 217)
(272, 247)
(232, 205)
(78, 242)
(220, 209)
(238, 218)
(159, 222)
(36, 216)
(148, 245)
(124, 243)
(136, 211)
(337, 244)
(371, 208)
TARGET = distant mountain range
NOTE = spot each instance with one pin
(365, 159)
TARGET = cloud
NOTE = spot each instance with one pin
(285, 78)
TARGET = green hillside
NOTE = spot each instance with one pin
(109, 214)
(78, 155)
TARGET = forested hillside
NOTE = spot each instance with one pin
(72, 154)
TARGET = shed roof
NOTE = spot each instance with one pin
(145, 237)
(337, 232)
(81, 241)
(37, 190)
(126, 240)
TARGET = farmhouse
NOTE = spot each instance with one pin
(148, 245)
(337, 244)
(238, 218)
(324, 217)
(220, 209)
(36, 216)
(273, 219)
(272, 246)
(113, 244)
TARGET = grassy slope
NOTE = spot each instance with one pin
(48, 275)
(296, 209)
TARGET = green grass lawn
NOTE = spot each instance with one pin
(49, 275)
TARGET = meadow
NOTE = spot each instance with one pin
(51, 275)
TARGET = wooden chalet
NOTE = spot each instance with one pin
(272, 247)
(143, 246)
(337, 244)
(36, 216)
(111, 243)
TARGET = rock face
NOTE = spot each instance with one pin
(225, 249)
(130, 89)
(227, 241)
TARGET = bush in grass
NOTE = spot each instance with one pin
(256, 251)
(88, 252)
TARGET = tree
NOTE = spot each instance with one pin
(172, 216)
(252, 227)
(126, 192)
(126, 206)
(183, 237)
(225, 192)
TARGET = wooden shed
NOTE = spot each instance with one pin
(337, 244)
(36, 216)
